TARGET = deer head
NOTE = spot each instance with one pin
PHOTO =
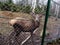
(36, 17)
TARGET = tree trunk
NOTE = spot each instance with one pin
(33, 5)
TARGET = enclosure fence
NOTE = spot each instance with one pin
(5, 23)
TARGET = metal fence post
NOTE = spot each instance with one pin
(45, 23)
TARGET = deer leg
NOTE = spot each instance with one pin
(18, 32)
(32, 38)
(17, 35)
(26, 40)
(17, 29)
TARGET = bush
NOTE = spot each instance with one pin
(0, 5)
(38, 10)
(14, 8)
(6, 6)
(45, 7)
(26, 9)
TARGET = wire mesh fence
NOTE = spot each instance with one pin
(54, 9)
(8, 35)
(8, 32)
(10, 39)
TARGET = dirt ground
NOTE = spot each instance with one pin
(53, 28)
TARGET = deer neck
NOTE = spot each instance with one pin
(37, 18)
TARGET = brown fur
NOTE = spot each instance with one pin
(29, 25)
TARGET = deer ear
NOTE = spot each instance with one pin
(33, 15)
(40, 15)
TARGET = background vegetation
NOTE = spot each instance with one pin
(18, 8)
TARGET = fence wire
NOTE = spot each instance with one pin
(53, 27)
